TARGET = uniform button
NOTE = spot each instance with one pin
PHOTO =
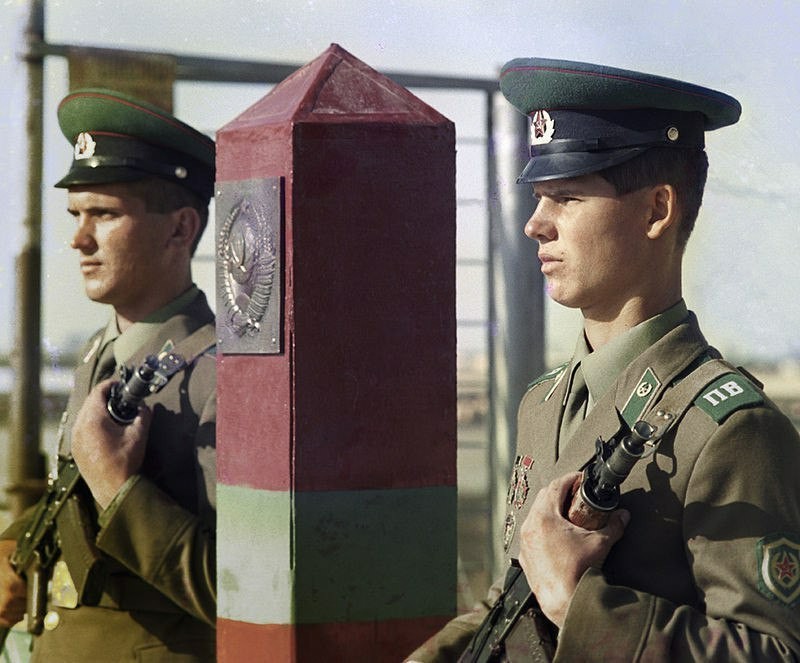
(51, 620)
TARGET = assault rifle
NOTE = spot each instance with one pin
(595, 495)
(39, 545)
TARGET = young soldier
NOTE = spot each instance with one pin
(702, 560)
(138, 190)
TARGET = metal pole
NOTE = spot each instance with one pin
(492, 211)
(518, 295)
(26, 466)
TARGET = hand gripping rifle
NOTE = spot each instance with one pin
(38, 546)
(595, 495)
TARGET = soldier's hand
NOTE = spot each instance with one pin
(554, 553)
(107, 453)
(12, 588)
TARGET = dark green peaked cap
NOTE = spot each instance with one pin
(586, 117)
(118, 138)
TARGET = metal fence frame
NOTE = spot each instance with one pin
(514, 328)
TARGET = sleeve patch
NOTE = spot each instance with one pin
(729, 393)
(779, 568)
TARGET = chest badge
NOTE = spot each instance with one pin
(519, 487)
(509, 527)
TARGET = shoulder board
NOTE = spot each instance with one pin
(550, 375)
(202, 341)
(697, 363)
(726, 395)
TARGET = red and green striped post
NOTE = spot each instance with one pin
(337, 452)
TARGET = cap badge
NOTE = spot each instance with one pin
(542, 128)
(84, 146)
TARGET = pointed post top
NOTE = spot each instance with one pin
(336, 86)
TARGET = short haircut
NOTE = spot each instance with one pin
(685, 169)
(161, 196)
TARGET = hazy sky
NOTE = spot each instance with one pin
(742, 271)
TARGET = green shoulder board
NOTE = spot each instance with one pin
(724, 396)
(550, 375)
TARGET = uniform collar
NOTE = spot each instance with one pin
(602, 367)
(127, 343)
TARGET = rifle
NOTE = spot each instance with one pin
(38, 546)
(595, 495)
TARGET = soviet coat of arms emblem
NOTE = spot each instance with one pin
(248, 266)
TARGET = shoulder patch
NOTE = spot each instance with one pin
(550, 375)
(726, 395)
(779, 567)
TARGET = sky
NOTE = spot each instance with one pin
(741, 275)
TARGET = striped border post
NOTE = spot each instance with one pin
(337, 453)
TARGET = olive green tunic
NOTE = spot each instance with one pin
(158, 535)
(708, 568)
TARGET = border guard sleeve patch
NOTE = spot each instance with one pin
(727, 394)
(779, 567)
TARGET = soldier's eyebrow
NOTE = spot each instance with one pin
(94, 210)
(566, 191)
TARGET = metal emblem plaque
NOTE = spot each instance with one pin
(249, 299)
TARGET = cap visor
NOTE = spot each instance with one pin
(81, 176)
(573, 164)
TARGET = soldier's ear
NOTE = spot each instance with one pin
(665, 210)
(186, 226)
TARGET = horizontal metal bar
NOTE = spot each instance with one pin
(226, 70)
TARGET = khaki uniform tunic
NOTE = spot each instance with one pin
(707, 569)
(158, 535)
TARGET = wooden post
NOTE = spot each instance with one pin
(336, 370)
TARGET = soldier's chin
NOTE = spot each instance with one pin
(97, 294)
(552, 290)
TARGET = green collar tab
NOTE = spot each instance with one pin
(641, 397)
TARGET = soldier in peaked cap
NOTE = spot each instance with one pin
(144, 514)
(701, 561)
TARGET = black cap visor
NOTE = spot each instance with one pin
(82, 175)
(561, 165)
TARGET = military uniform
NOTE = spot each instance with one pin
(158, 537)
(136, 581)
(708, 567)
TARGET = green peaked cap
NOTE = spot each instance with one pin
(119, 138)
(587, 117)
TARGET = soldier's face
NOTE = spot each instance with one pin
(592, 242)
(121, 247)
